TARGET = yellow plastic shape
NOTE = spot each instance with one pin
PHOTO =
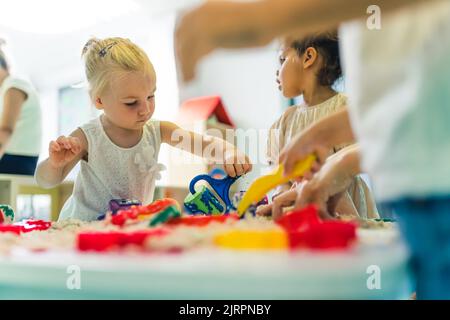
(252, 240)
(259, 188)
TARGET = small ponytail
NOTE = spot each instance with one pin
(93, 42)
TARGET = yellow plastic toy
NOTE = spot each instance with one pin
(264, 184)
(252, 239)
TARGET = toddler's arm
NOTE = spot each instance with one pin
(214, 149)
(64, 154)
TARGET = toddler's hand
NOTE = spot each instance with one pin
(237, 164)
(63, 150)
(264, 210)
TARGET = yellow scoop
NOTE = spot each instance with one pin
(264, 184)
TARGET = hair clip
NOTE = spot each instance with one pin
(88, 45)
(104, 51)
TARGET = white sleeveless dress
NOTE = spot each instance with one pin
(112, 172)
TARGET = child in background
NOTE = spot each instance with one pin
(118, 151)
(20, 122)
(309, 68)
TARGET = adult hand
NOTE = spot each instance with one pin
(219, 24)
(318, 139)
(304, 144)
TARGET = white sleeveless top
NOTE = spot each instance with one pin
(112, 172)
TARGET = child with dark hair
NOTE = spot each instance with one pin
(310, 67)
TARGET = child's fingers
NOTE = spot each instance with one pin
(305, 195)
(247, 167)
(277, 208)
(310, 195)
(69, 143)
(63, 142)
(244, 163)
(264, 210)
(285, 199)
(239, 169)
(229, 169)
(54, 147)
(75, 144)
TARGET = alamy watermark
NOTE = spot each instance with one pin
(73, 281)
(219, 146)
(374, 20)
(374, 280)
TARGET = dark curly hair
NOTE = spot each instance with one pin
(327, 44)
(3, 62)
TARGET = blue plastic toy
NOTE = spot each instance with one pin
(217, 173)
(203, 202)
(220, 186)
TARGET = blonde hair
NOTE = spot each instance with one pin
(105, 57)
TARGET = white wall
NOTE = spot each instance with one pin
(49, 106)
(246, 81)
